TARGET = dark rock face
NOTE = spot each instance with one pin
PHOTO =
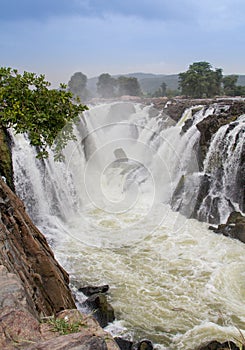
(240, 180)
(218, 186)
(91, 290)
(143, 345)
(102, 310)
(6, 168)
(176, 107)
(123, 343)
(210, 125)
(24, 250)
(215, 345)
(234, 227)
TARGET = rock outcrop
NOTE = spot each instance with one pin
(234, 227)
(20, 329)
(210, 125)
(6, 168)
(24, 250)
(221, 138)
(101, 309)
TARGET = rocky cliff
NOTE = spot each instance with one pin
(220, 155)
(24, 250)
(35, 288)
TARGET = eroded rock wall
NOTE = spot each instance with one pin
(24, 250)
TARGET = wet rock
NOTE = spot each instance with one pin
(215, 345)
(102, 310)
(6, 167)
(187, 125)
(123, 343)
(240, 180)
(234, 227)
(202, 193)
(143, 345)
(210, 125)
(91, 290)
(177, 106)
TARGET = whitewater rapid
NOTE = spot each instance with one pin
(106, 213)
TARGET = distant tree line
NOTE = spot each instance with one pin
(107, 86)
(201, 80)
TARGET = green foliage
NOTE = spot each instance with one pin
(172, 93)
(63, 326)
(230, 86)
(240, 90)
(128, 86)
(106, 85)
(201, 81)
(28, 106)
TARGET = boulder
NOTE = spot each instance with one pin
(102, 310)
(215, 345)
(124, 344)
(234, 227)
(144, 344)
(91, 290)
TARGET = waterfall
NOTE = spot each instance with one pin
(158, 155)
(223, 166)
(107, 212)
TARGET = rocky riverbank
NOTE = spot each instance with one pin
(34, 290)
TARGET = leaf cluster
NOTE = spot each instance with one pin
(28, 105)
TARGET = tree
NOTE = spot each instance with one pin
(77, 85)
(200, 80)
(128, 86)
(240, 90)
(106, 85)
(229, 84)
(28, 106)
(161, 91)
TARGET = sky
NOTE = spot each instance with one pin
(60, 37)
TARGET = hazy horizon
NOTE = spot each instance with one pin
(60, 37)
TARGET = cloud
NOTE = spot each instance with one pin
(147, 9)
(36, 9)
(209, 14)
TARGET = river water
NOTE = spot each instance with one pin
(105, 211)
